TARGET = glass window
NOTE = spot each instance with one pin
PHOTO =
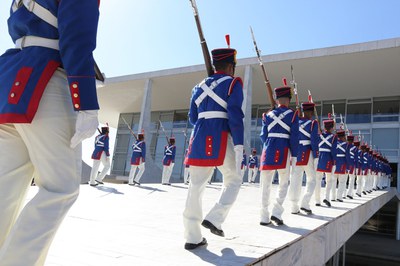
(385, 138)
(329, 107)
(123, 119)
(386, 110)
(359, 113)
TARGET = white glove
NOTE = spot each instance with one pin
(315, 164)
(86, 125)
(238, 158)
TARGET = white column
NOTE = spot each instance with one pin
(246, 107)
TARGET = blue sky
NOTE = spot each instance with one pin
(140, 36)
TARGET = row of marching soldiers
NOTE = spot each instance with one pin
(294, 145)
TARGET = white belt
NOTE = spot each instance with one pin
(305, 142)
(279, 135)
(213, 114)
(341, 155)
(36, 41)
(324, 150)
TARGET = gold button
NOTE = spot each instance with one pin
(12, 95)
(209, 146)
(75, 95)
(76, 105)
(16, 83)
(74, 85)
(208, 152)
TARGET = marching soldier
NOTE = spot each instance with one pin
(359, 179)
(351, 165)
(342, 150)
(243, 165)
(101, 154)
(280, 137)
(217, 141)
(168, 161)
(325, 162)
(253, 166)
(137, 160)
(307, 160)
(45, 81)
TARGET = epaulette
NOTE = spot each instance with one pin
(233, 83)
(296, 113)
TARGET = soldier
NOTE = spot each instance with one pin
(307, 160)
(243, 165)
(360, 177)
(137, 160)
(168, 161)
(253, 166)
(280, 138)
(44, 82)
(100, 154)
(351, 165)
(342, 151)
(325, 162)
(217, 141)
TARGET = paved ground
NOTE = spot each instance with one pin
(117, 224)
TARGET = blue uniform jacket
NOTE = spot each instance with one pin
(215, 111)
(352, 158)
(244, 161)
(253, 161)
(169, 154)
(139, 152)
(24, 73)
(342, 151)
(308, 140)
(359, 161)
(327, 152)
(279, 134)
(100, 145)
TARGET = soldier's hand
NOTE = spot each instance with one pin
(86, 125)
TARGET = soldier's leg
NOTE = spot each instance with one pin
(295, 188)
(164, 174)
(342, 186)
(230, 188)
(16, 172)
(310, 185)
(266, 183)
(193, 213)
(106, 163)
(350, 189)
(317, 192)
(186, 175)
(334, 180)
(94, 172)
(132, 174)
(249, 174)
(139, 174)
(56, 166)
(278, 209)
(328, 187)
(169, 173)
(359, 184)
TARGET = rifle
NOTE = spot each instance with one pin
(334, 116)
(293, 82)
(163, 129)
(310, 99)
(266, 80)
(343, 124)
(129, 127)
(99, 75)
(204, 47)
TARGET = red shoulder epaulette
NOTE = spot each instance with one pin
(236, 79)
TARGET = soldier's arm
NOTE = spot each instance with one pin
(235, 112)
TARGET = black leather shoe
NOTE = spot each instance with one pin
(358, 194)
(327, 203)
(131, 184)
(190, 246)
(265, 224)
(213, 229)
(136, 183)
(350, 197)
(93, 185)
(277, 220)
(100, 182)
(308, 211)
(365, 193)
(339, 200)
(318, 204)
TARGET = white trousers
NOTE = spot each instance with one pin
(166, 174)
(133, 175)
(360, 184)
(350, 189)
(296, 182)
(328, 187)
(252, 174)
(242, 171)
(41, 150)
(105, 160)
(186, 175)
(266, 181)
(193, 213)
(342, 185)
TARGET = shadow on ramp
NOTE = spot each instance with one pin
(228, 257)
